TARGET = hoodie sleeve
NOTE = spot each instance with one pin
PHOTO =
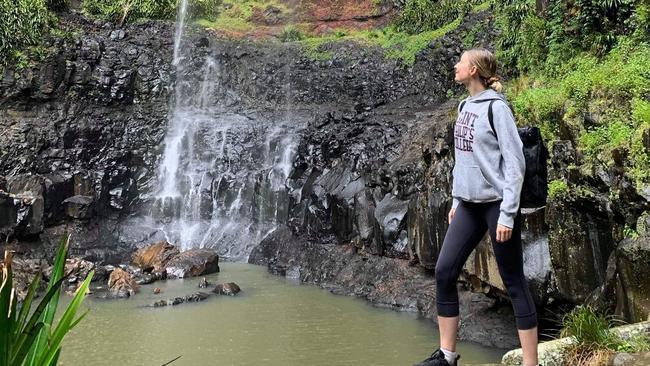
(512, 154)
(455, 202)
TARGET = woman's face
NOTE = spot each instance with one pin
(464, 70)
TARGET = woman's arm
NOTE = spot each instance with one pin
(511, 147)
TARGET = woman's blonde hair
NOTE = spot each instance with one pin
(486, 64)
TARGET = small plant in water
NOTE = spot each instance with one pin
(29, 336)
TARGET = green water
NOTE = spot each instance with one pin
(273, 321)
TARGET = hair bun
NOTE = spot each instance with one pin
(493, 80)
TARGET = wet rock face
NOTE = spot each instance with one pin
(580, 244)
(81, 134)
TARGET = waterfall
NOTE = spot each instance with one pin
(180, 25)
(222, 177)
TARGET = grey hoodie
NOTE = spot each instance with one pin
(488, 168)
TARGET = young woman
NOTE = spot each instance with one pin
(488, 175)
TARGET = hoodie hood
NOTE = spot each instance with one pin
(485, 95)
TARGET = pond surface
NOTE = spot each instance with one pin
(273, 321)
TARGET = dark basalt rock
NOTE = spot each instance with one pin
(229, 288)
(79, 207)
(192, 263)
(196, 297)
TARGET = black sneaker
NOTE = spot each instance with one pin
(437, 358)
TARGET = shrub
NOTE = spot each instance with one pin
(290, 34)
(24, 23)
(588, 327)
(557, 190)
(207, 9)
(595, 341)
(530, 41)
(122, 11)
(427, 15)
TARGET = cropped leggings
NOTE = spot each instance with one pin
(466, 230)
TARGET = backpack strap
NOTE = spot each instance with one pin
(491, 118)
(490, 113)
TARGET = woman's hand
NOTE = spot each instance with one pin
(503, 233)
(452, 212)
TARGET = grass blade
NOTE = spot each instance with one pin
(41, 342)
(66, 322)
(7, 294)
(27, 304)
(23, 347)
(27, 331)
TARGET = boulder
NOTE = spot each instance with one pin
(632, 258)
(267, 250)
(122, 284)
(195, 297)
(204, 283)
(229, 288)
(631, 359)
(154, 256)
(192, 263)
(76, 270)
(145, 278)
(551, 352)
(24, 271)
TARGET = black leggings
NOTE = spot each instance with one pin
(466, 230)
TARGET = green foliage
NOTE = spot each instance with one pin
(522, 45)
(470, 38)
(403, 47)
(612, 90)
(589, 328)
(122, 11)
(427, 15)
(244, 9)
(605, 138)
(558, 190)
(29, 336)
(530, 41)
(636, 343)
(290, 34)
(629, 232)
(397, 45)
(205, 9)
(541, 106)
(595, 341)
(24, 23)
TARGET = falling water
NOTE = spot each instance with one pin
(221, 181)
(180, 25)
